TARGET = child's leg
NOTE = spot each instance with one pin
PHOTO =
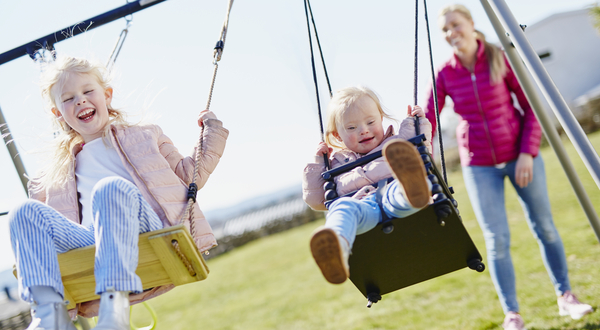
(38, 233)
(330, 245)
(349, 217)
(394, 202)
(120, 215)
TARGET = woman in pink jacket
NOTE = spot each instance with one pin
(497, 140)
(109, 181)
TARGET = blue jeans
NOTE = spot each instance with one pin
(485, 186)
(38, 233)
(349, 216)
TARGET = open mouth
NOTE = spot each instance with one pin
(367, 140)
(86, 115)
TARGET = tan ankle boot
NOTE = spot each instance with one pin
(50, 316)
(114, 311)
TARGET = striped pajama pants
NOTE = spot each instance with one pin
(38, 233)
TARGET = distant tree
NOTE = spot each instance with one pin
(595, 11)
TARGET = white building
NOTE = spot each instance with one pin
(569, 46)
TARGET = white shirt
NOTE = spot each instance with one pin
(94, 162)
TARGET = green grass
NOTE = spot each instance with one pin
(273, 283)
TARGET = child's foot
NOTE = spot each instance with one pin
(568, 304)
(331, 254)
(406, 165)
(513, 321)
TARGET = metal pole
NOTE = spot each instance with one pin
(12, 150)
(547, 125)
(533, 62)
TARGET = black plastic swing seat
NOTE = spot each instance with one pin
(418, 249)
(405, 251)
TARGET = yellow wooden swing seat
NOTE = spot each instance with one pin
(166, 256)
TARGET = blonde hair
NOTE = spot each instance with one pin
(341, 101)
(53, 77)
(492, 52)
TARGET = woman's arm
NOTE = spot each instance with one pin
(531, 132)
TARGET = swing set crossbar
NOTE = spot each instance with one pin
(48, 41)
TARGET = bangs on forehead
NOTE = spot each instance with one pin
(57, 89)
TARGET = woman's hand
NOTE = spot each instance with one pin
(524, 170)
(204, 115)
(323, 149)
(415, 111)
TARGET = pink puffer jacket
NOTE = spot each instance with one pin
(492, 130)
(368, 174)
(160, 172)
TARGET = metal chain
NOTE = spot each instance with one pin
(119, 44)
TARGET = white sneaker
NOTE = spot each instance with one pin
(568, 304)
(513, 321)
(114, 310)
(50, 316)
(331, 253)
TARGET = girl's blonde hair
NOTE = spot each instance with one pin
(341, 101)
(492, 52)
(52, 80)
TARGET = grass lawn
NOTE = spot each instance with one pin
(273, 283)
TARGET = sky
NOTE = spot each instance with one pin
(264, 92)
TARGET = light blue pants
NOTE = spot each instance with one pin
(485, 186)
(349, 216)
(38, 233)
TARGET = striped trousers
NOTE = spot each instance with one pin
(38, 233)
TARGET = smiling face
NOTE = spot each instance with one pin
(82, 103)
(459, 31)
(361, 126)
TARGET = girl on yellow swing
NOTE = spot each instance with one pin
(355, 129)
(109, 181)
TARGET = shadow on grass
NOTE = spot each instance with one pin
(587, 326)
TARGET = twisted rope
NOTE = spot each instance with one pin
(186, 262)
(435, 99)
(416, 70)
(218, 52)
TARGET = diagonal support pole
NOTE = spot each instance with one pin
(516, 62)
(12, 150)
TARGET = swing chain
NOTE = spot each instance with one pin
(119, 44)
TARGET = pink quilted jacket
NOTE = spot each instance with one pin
(351, 181)
(160, 172)
(492, 130)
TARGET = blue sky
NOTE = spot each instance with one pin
(264, 91)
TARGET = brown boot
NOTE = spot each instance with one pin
(407, 167)
(331, 253)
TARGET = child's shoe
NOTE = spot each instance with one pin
(407, 167)
(50, 316)
(568, 304)
(513, 321)
(114, 311)
(331, 253)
